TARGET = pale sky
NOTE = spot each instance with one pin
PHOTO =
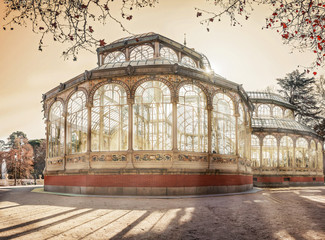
(245, 55)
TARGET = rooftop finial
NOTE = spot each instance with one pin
(184, 39)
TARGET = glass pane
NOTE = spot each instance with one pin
(114, 57)
(77, 123)
(192, 123)
(109, 119)
(56, 130)
(255, 151)
(223, 125)
(142, 52)
(168, 53)
(269, 151)
(152, 117)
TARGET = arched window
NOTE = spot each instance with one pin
(241, 131)
(56, 130)
(109, 119)
(77, 123)
(302, 153)
(114, 57)
(255, 151)
(269, 151)
(168, 53)
(286, 152)
(264, 111)
(192, 121)
(188, 61)
(288, 114)
(152, 117)
(277, 112)
(223, 125)
(320, 156)
(142, 52)
(206, 63)
(313, 154)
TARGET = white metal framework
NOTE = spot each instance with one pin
(168, 53)
(319, 156)
(264, 111)
(115, 57)
(302, 153)
(77, 122)
(56, 130)
(223, 125)
(142, 52)
(286, 152)
(192, 122)
(188, 61)
(277, 112)
(109, 119)
(152, 117)
(313, 154)
(255, 151)
(241, 128)
(269, 151)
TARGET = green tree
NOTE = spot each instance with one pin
(39, 147)
(299, 91)
(14, 135)
(319, 91)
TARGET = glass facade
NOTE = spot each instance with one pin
(77, 123)
(223, 125)
(192, 119)
(109, 119)
(56, 130)
(152, 117)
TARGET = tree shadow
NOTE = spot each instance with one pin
(265, 215)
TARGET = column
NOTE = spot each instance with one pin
(127, 54)
(66, 149)
(236, 130)
(47, 141)
(89, 106)
(237, 135)
(157, 53)
(209, 108)
(174, 102)
(294, 155)
(130, 133)
(261, 153)
(278, 152)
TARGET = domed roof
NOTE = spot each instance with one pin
(151, 53)
(173, 50)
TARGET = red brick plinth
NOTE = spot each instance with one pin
(278, 181)
(146, 184)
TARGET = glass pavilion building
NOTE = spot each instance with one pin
(283, 151)
(154, 119)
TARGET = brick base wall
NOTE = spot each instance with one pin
(283, 181)
(148, 184)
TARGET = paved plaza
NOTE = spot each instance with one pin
(286, 213)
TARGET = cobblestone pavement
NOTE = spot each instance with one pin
(286, 213)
